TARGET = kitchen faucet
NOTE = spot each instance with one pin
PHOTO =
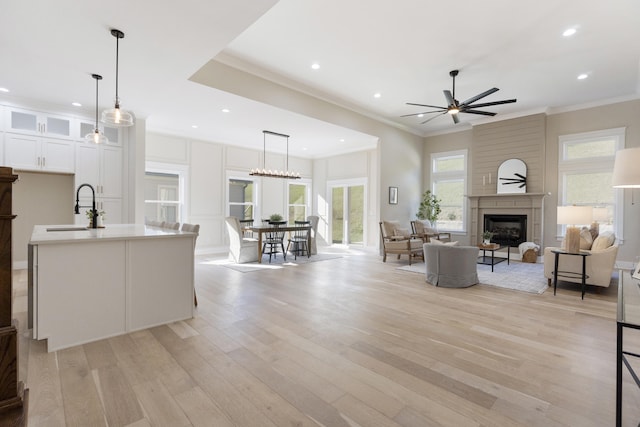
(94, 212)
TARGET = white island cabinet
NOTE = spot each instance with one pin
(90, 284)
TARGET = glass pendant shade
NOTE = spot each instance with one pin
(96, 137)
(115, 116)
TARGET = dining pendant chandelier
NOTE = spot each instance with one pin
(286, 174)
(97, 136)
(115, 116)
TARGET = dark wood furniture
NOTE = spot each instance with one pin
(260, 231)
(492, 247)
(557, 273)
(13, 396)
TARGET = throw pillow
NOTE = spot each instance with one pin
(603, 241)
(585, 239)
(403, 232)
(439, 242)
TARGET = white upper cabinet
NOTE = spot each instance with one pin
(40, 154)
(31, 122)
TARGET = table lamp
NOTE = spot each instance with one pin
(572, 216)
(600, 214)
(626, 169)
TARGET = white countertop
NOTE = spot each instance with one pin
(42, 234)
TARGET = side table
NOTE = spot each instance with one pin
(570, 274)
(492, 247)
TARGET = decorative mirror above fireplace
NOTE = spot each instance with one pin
(512, 177)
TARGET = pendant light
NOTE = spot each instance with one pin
(286, 173)
(115, 116)
(97, 136)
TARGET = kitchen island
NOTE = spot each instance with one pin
(90, 284)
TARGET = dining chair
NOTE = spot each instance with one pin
(298, 239)
(241, 249)
(171, 225)
(246, 225)
(193, 228)
(313, 220)
(274, 241)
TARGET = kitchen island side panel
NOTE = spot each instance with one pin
(81, 292)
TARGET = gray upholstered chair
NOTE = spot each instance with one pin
(451, 266)
(241, 249)
(171, 225)
(313, 220)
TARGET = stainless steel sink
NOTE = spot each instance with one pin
(67, 229)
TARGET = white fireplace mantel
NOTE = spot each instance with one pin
(530, 204)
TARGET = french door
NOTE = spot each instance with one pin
(347, 213)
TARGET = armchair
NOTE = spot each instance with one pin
(599, 265)
(451, 266)
(241, 249)
(398, 241)
(426, 232)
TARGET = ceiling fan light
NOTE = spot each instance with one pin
(453, 111)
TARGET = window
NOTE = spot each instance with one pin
(241, 198)
(164, 186)
(298, 202)
(448, 183)
(585, 168)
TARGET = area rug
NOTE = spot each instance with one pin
(519, 276)
(276, 263)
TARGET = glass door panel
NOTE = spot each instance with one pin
(347, 215)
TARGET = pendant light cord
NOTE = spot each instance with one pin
(117, 56)
(96, 102)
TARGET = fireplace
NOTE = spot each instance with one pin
(507, 229)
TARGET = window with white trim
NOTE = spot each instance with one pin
(241, 193)
(585, 168)
(164, 192)
(299, 196)
(449, 183)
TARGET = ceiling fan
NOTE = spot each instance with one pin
(454, 107)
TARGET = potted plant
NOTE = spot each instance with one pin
(429, 208)
(486, 237)
(100, 220)
(275, 218)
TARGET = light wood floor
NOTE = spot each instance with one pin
(344, 342)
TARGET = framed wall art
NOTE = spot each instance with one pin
(393, 195)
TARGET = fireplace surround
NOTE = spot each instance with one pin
(530, 205)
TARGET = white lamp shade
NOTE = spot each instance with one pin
(600, 214)
(575, 215)
(626, 169)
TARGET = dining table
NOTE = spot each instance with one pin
(260, 230)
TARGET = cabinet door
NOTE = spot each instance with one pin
(22, 152)
(111, 172)
(113, 211)
(23, 121)
(58, 156)
(34, 122)
(87, 165)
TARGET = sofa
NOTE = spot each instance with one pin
(451, 266)
(599, 264)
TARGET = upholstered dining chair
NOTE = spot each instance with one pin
(241, 249)
(192, 228)
(171, 225)
(313, 221)
(246, 224)
(298, 239)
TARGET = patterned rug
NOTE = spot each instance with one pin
(519, 276)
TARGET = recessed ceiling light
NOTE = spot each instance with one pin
(420, 115)
(583, 76)
(315, 66)
(225, 110)
(4, 89)
(194, 126)
(76, 104)
(377, 95)
(341, 139)
(569, 32)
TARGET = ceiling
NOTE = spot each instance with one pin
(403, 50)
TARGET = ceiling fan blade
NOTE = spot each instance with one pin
(455, 118)
(449, 97)
(484, 113)
(489, 104)
(424, 112)
(426, 105)
(431, 118)
(479, 96)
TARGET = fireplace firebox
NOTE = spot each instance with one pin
(507, 229)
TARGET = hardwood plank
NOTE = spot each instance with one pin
(118, 398)
(160, 408)
(201, 410)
